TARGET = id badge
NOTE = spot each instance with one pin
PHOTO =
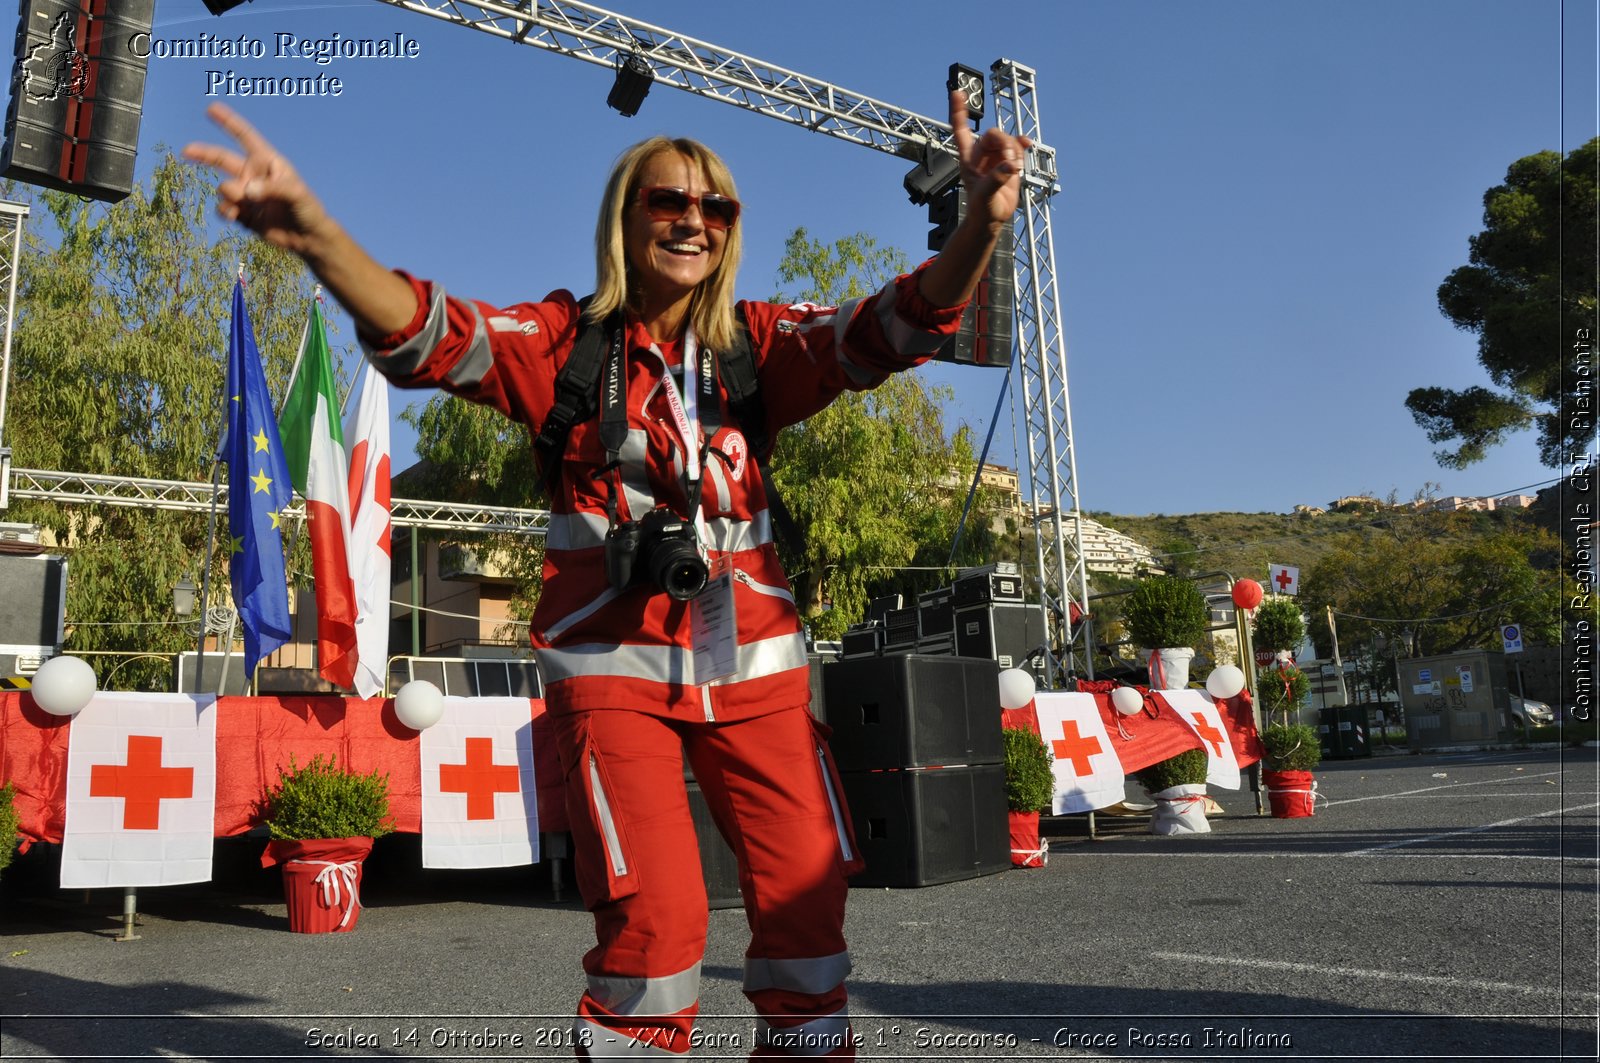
(716, 630)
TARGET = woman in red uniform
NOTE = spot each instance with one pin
(641, 665)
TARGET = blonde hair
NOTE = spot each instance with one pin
(711, 307)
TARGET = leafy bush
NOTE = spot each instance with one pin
(1166, 612)
(9, 823)
(1029, 784)
(322, 800)
(1283, 688)
(1278, 625)
(1186, 769)
(1291, 747)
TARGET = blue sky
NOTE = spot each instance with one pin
(1259, 199)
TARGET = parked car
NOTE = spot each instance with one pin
(1526, 712)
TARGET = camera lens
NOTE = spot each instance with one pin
(676, 567)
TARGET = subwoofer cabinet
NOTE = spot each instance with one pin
(925, 826)
(912, 711)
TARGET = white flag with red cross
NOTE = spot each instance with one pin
(1087, 772)
(1284, 579)
(479, 802)
(141, 791)
(1197, 709)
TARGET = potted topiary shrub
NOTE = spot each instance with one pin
(1167, 617)
(9, 824)
(321, 819)
(1030, 787)
(1178, 787)
(1279, 627)
(1292, 752)
(1283, 688)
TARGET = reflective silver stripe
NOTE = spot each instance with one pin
(635, 481)
(413, 352)
(833, 803)
(602, 1043)
(815, 975)
(575, 531)
(665, 995)
(667, 664)
(605, 596)
(728, 534)
(902, 335)
(841, 325)
(608, 826)
(815, 1038)
(478, 359)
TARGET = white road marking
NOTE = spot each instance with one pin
(1424, 839)
(1442, 786)
(1371, 853)
(1362, 972)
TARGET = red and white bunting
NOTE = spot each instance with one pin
(1088, 773)
(479, 802)
(1197, 709)
(141, 791)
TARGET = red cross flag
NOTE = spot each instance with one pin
(1284, 579)
(1197, 709)
(1088, 773)
(141, 791)
(479, 803)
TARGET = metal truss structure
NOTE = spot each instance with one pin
(593, 35)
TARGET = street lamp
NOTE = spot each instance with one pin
(183, 595)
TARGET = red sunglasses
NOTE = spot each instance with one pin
(670, 204)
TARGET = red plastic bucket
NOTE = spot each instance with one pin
(321, 882)
(1292, 793)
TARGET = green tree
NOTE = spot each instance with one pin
(118, 367)
(1444, 576)
(1529, 293)
(873, 481)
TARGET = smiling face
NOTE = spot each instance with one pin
(667, 260)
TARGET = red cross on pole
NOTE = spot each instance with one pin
(1208, 734)
(480, 778)
(1075, 746)
(1283, 579)
(141, 783)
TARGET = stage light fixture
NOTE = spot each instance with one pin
(217, 7)
(634, 79)
(931, 177)
(970, 82)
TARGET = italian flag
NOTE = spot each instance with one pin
(313, 443)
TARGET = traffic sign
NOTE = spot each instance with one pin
(1511, 638)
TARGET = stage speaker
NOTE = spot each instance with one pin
(912, 711)
(183, 674)
(77, 95)
(1004, 632)
(717, 863)
(33, 590)
(929, 825)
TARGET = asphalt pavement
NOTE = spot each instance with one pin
(1439, 906)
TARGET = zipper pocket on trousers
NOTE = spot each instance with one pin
(608, 825)
(833, 805)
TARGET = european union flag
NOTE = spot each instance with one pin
(258, 492)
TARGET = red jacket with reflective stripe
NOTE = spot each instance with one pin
(598, 648)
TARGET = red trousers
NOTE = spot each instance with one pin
(773, 791)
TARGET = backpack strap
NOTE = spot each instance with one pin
(738, 369)
(577, 393)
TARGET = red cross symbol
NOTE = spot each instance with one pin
(1075, 746)
(1208, 734)
(1283, 579)
(141, 783)
(480, 778)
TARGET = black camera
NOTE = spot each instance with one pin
(660, 549)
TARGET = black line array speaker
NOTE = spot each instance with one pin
(77, 95)
(33, 603)
(926, 826)
(912, 711)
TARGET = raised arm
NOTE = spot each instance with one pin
(991, 170)
(262, 192)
